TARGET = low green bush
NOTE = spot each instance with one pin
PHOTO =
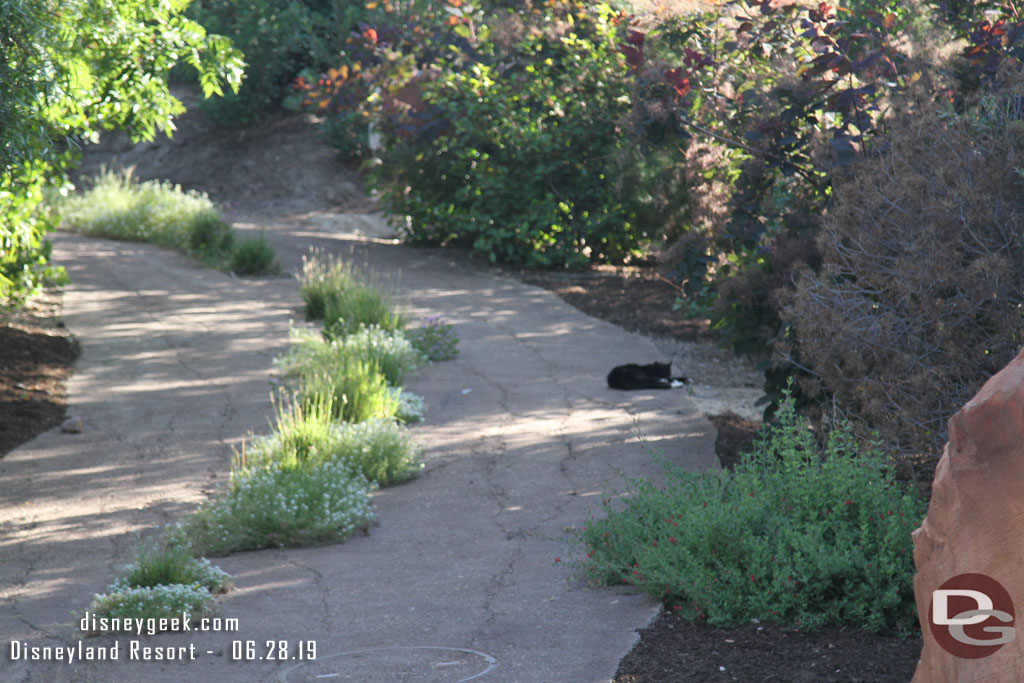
(253, 257)
(797, 534)
(210, 238)
(435, 339)
(358, 307)
(170, 561)
(306, 434)
(379, 448)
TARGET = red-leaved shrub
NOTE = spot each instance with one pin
(919, 297)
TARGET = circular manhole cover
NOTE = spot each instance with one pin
(415, 664)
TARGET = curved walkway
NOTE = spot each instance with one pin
(458, 581)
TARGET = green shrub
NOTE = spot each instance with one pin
(529, 163)
(310, 354)
(435, 339)
(277, 506)
(512, 133)
(254, 257)
(349, 133)
(210, 238)
(797, 534)
(377, 448)
(279, 39)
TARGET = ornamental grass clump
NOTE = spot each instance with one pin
(798, 534)
(357, 391)
(170, 561)
(337, 294)
(254, 256)
(306, 436)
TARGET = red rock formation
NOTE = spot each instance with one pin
(975, 525)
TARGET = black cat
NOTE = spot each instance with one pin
(651, 376)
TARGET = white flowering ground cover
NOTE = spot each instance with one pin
(164, 579)
(275, 505)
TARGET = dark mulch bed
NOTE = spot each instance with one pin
(673, 649)
(636, 299)
(36, 353)
(735, 436)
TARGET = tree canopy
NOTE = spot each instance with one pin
(69, 70)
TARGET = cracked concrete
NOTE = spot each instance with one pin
(458, 578)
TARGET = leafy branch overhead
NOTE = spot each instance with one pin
(70, 73)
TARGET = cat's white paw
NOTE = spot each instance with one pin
(675, 384)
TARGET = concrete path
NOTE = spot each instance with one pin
(460, 580)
